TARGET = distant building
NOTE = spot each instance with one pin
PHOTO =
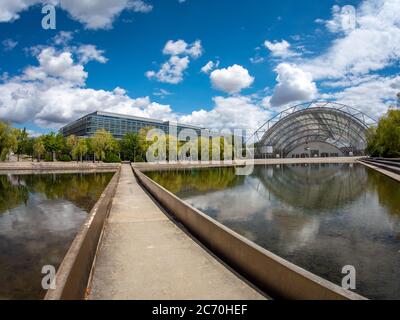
(315, 129)
(118, 125)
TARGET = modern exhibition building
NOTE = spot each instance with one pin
(316, 129)
(118, 125)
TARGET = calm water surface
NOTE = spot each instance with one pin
(320, 217)
(39, 217)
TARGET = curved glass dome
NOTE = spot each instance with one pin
(326, 125)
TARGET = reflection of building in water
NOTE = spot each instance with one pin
(327, 186)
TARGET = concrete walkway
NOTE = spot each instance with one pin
(144, 255)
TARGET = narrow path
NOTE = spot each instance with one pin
(144, 255)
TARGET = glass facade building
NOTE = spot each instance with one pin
(118, 125)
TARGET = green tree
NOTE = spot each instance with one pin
(165, 144)
(39, 148)
(80, 149)
(8, 140)
(130, 147)
(144, 145)
(71, 143)
(29, 147)
(22, 141)
(89, 144)
(217, 146)
(103, 142)
(384, 140)
(372, 142)
(54, 143)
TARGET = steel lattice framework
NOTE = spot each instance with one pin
(337, 124)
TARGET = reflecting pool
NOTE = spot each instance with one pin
(40, 216)
(320, 217)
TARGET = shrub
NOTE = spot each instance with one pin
(64, 158)
(111, 158)
(48, 157)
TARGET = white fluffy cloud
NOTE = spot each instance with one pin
(357, 60)
(209, 66)
(173, 70)
(180, 47)
(373, 95)
(84, 52)
(353, 69)
(63, 38)
(344, 19)
(372, 46)
(89, 52)
(280, 49)
(10, 9)
(54, 93)
(56, 66)
(293, 85)
(229, 113)
(337, 23)
(232, 79)
(94, 14)
(140, 6)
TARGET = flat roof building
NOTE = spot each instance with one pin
(118, 125)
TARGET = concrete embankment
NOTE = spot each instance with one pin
(382, 169)
(189, 165)
(145, 255)
(54, 167)
(40, 167)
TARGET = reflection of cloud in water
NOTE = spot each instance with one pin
(31, 236)
(295, 230)
(319, 218)
(41, 215)
(243, 204)
(239, 203)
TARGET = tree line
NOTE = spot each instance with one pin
(384, 139)
(102, 146)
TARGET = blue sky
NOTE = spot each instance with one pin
(267, 55)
